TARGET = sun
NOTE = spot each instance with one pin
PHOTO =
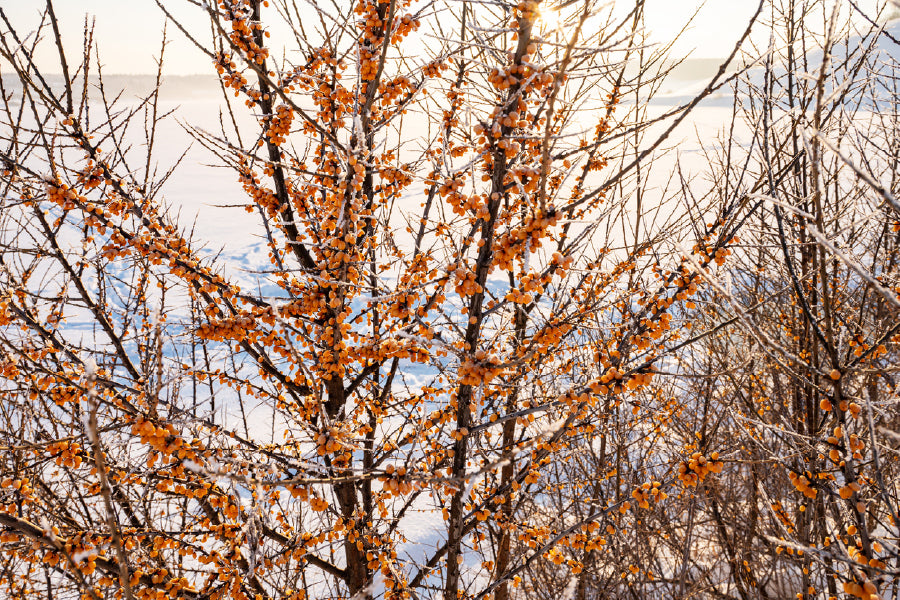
(551, 17)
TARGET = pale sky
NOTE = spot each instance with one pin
(129, 30)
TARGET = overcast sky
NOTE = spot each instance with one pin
(129, 30)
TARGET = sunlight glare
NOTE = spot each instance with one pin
(551, 17)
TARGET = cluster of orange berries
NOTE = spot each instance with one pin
(856, 445)
(434, 69)
(402, 306)
(533, 477)
(231, 79)
(526, 178)
(224, 62)
(464, 282)
(160, 243)
(649, 491)
(280, 124)
(844, 406)
(586, 539)
(437, 417)
(8, 537)
(393, 180)
(556, 556)
(385, 560)
(91, 176)
(612, 374)
(331, 101)
(328, 442)
(459, 434)
(403, 27)
(242, 28)
(597, 164)
(64, 394)
(475, 204)
(451, 187)
(320, 57)
(394, 482)
(495, 132)
(64, 196)
(8, 366)
(370, 22)
(22, 485)
(455, 96)
(865, 591)
(693, 471)
(654, 329)
(482, 515)
(504, 78)
(481, 370)
(6, 315)
(779, 511)
(517, 296)
(531, 283)
(637, 381)
(358, 172)
(116, 247)
(846, 492)
(368, 65)
(89, 563)
(527, 11)
(171, 589)
(198, 490)
(516, 116)
(300, 491)
(66, 453)
(261, 195)
(229, 507)
(164, 440)
(391, 90)
(599, 388)
(855, 551)
(391, 348)
(561, 262)
(510, 148)
(803, 483)
(318, 504)
(237, 328)
(711, 253)
(859, 345)
(529, 234)
(522, 295)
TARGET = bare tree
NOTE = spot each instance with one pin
(796, 371)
